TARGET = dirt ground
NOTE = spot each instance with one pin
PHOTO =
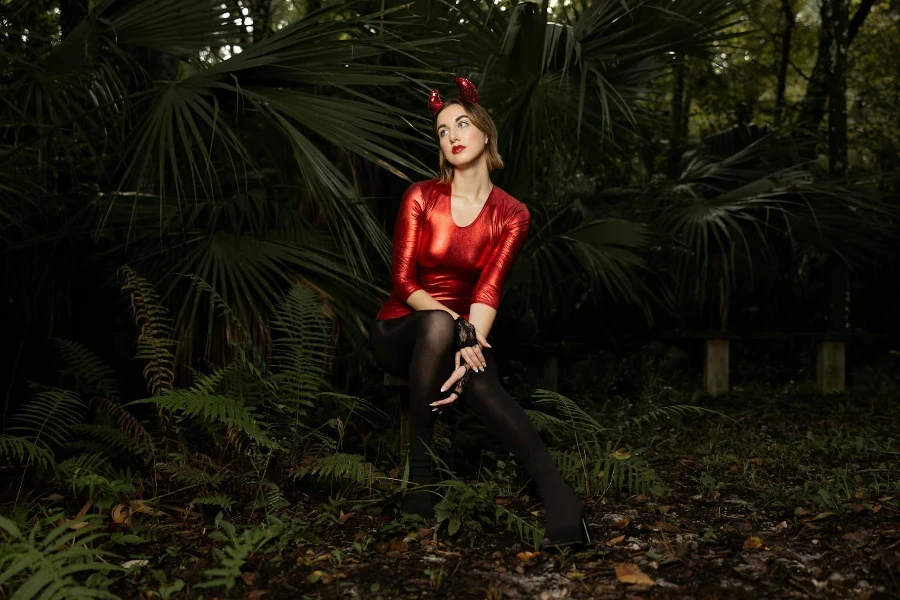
(687, 547)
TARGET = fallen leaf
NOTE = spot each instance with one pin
(621, 454)
(631, 573)
(398, 545)
(322, 576)
(526, 556)
(503, 501)
(876, 508)
(663, 526)
(78, 525)
(257, 594)
(128, 564)
(249, 578)
(344, 517)
(752, 543)
(664, 509)
(622, 523)
(615, 541)
(823, 515)
(120, 514)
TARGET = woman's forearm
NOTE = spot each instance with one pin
(482, 317)
(422, 300)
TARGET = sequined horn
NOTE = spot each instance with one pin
(467, 90)
(435, 104)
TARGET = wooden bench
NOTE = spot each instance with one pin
(830, 355)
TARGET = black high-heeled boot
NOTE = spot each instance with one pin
(553, 543)
(564, 525)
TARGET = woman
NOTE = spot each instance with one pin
(455, 240)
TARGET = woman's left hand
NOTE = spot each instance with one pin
(457, 374)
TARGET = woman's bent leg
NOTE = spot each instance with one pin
(419, 347)
(509, 422)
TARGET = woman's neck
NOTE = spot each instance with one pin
(472, 183)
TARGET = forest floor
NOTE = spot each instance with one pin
(790, 498)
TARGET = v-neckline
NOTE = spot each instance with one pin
(480, 212)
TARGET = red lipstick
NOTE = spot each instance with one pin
(457, 149)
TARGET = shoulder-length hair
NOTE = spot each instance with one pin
(483, 121)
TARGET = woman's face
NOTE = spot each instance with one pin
(461, 142)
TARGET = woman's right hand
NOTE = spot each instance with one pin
(471, 354)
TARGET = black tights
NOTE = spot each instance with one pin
(419, 347)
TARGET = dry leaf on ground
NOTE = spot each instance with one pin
(398, 545)
(615, 541)
(752, 543)
(631, 573)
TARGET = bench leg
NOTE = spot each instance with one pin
(830, 369)
(715, 367)
(404, 433)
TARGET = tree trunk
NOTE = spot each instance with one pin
(812, 110)
(789, 22)
(677, 118)
(837, 93)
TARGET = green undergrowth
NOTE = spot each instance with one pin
(257, 458)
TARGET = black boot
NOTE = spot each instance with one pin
(564, 525)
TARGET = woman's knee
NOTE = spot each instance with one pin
(438, 328)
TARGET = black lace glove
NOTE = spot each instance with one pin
(459, 387)
(465, 334)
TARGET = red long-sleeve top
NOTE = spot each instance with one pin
(457, 266)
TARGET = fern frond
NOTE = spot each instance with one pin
(247, 352)
(85, 464)
(668, 412)
(235, 554)
(202, 401)
(88, 369)
(45, 565)
(221, 500)
(49, 416)
(126, 421)
(351, 467)
(23, 449)
(155, 336)
(569, 410)
(190, 475)
(302, 350)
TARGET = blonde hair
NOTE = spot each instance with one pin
(483, 121)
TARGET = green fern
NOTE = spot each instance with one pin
(25, 450)
(156, 335)
(234, 556)
(193, 473)
(104, 437)
(49, 416)
(350, 467)
(44, 564)
(202, 401)
(246, 351)
(88, 369)
(668, 412)
(302, 351)
(223, 501)
(596, 474)
(126, 421)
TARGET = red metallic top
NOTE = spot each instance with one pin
(457, 266)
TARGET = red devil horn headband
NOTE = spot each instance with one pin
(467, 92)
